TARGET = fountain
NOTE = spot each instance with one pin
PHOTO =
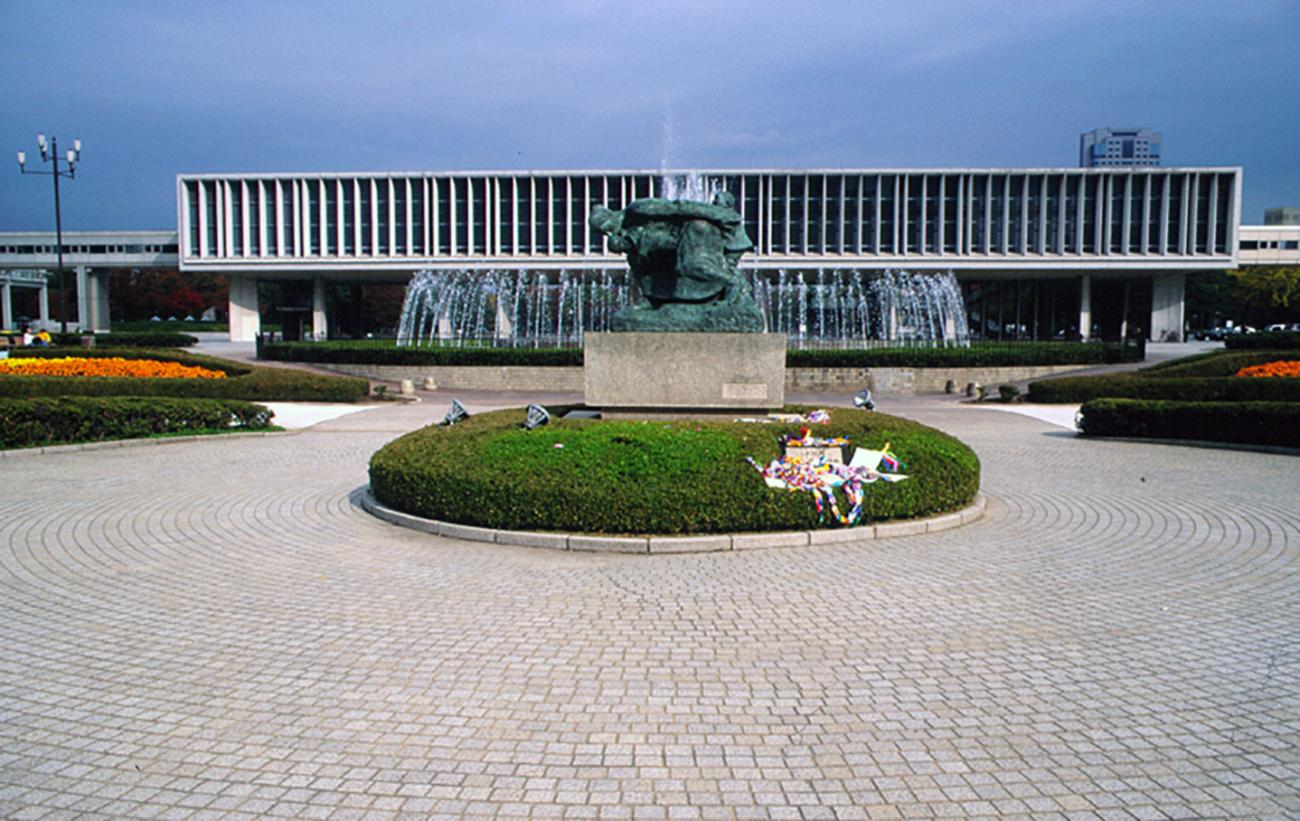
(820, 307)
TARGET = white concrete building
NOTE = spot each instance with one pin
(1032, 247)
(87, 255)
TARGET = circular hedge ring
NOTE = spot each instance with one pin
(651, 477)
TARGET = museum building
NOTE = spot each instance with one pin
(1038, 252)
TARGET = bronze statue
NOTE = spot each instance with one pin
(683, 257)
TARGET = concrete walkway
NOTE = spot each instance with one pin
(215, 629)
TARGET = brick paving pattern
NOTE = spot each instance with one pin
(215, 629)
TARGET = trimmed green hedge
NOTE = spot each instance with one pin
(650, 477)
(1257, 423)
(1189, 389)
(1205, 377)
(124, 339)
(1214, 363)
(248, 382)
(147, 326)
(994, 354)
(64, 420)
(377, 353)
(1275, 340)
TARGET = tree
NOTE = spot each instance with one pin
(139, 293)
(1267, 293)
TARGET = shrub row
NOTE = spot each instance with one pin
(63, 420)
(582, 475)
(125, 339)
(977, 355)
(1184, 389)
(149, 326)
(244, 382)
(1214, 363)
(994, 354)
(1259, 423)
(372, 353)
(153, 339)
(1274, 340)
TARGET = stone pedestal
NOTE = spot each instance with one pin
(684, 372)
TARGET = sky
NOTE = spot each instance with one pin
(155, 89)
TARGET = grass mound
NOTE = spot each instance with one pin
(650, 477)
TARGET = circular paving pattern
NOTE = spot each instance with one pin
(216, 628)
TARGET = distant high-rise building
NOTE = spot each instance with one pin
(1282, 216)
(1119, 146)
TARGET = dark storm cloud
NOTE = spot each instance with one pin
(160, 88)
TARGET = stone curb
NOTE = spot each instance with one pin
(662, 545)
(139, 443)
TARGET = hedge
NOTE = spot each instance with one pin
(1185, 389)
(150, 326)
(154, 339)
(1215, 363)
(995, 354)
(1275, 340)
(649, 477)
(245, 381)
(1257, 423)
(372, 353)
(63, 420)
(124, 339)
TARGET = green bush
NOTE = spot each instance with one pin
(1275, 340)
(63, 420)
(1187, 389)
(1205, 377)
(649, 477)
(1258, 423)
(379, 353)
(1215, 363)
(994, 354)
(149, 327)
(244, 381)
(123, 339)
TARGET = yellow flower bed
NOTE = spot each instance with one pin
(107, 366)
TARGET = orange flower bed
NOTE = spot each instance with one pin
(1280, 368)
(114, 366)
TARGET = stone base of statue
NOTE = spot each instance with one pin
(644, 374)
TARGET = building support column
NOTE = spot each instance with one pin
(95, 318)
(319, 326)
(1167, 291)
(245, 321)
(45, 306)
(6, 307)
(1085, 307)
(83, 310)
(1123, 318)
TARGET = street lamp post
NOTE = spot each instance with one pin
(50, 154)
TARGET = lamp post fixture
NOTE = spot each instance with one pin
(50, 154)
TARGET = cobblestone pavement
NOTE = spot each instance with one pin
(216, 629)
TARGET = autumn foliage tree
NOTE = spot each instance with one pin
(141, 293)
